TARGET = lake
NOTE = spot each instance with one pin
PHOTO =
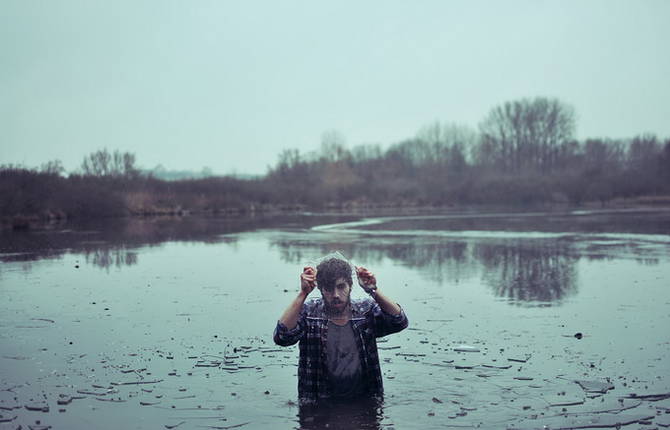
(517, 320)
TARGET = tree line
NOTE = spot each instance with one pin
(524, 152)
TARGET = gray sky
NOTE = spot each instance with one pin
(230, 84)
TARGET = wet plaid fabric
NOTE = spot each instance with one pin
(368, 322)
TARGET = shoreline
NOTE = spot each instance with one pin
(22, 222)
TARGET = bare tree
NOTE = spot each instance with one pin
(104, 163)
(366, 152)
(53, 167)
(643, 153)
(527, 134)
(664, 165)
(643, 167)
(289, 159)
(333, 146)
(129, 169)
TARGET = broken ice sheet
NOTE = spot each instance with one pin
(595, 386)
(607, 405)
(573, 423)
(520, 359)
(526, 403)
(663, 405)
(563, 394)
(37, 406)
(563, 401)
(493, 366)
(663, 420)
(649, 397)
(465, 366)
(8, 401)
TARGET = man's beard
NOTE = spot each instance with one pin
(332, 310)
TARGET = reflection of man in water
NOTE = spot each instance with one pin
(337, 335)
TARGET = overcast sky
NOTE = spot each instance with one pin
(229, 84)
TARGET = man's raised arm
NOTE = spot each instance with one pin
(391, 319)
(288, 322)
(386, 304)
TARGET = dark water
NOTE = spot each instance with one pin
(164, 322)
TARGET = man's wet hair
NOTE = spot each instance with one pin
(329, 271)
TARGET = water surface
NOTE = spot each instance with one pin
(164, 322)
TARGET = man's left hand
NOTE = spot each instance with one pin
(366, 279)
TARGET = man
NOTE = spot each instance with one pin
(338, 347)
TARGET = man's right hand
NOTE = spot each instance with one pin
(307, 280)
(291, 315)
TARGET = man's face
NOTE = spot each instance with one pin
(337, 298)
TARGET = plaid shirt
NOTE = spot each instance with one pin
(368, 322)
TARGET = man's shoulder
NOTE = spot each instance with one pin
(360, 307)
(313, 307)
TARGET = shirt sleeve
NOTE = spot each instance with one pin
(283, 336)
(386, 324)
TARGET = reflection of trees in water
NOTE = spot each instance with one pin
(299, 252)
(522, 270)
(535, 271)
(439, 261)
(108, 257)
(84, 236)
(101, 240)
(647, 254)
(648, 261)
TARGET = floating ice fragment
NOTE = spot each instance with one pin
(496, 367)
(93, 393)
(649, 397)
(520, 360)
(663, 405)
(574, 423)
(595, 386)
(466, 348)
(663, 420)
(464, 366)
(37, 406)
(64, 399)
(138, 382)
(567, 402)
